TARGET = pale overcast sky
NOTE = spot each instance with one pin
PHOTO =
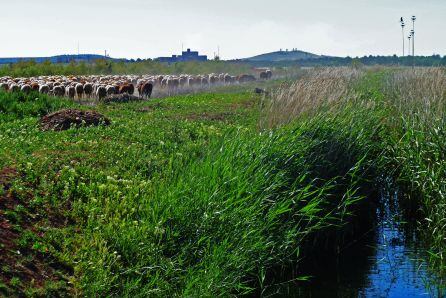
(152, 28)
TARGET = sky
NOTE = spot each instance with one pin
(239, 28)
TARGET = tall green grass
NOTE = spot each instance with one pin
(214, 226)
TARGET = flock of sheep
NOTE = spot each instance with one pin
(99, 87)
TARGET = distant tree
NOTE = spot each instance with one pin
(356, 63)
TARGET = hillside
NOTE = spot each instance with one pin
(283, 56)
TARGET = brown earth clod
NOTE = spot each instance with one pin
(6, 176)
(65, 119)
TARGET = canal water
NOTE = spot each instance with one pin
(384, 262)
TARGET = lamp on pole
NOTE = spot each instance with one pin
(402, 30)
(413, 35)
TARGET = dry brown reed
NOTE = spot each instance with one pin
(419, 92)
(319, 87)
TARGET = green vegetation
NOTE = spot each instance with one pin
(19, 105)
(31, 68)
(417, 101)
(207, 194)
(412, 104)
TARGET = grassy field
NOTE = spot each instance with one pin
(213, 194)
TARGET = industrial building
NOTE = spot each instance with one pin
(185, 56)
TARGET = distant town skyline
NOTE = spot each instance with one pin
(148, 29)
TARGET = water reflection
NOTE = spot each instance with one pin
(395, 270)
(384, 262)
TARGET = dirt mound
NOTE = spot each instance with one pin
(125, 97)
(64, 119)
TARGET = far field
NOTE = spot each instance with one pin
(217, 193)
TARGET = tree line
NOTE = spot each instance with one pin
(434, 60)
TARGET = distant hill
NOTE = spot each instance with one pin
(57, 59)
(283, 56)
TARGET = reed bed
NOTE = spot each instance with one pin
(417, 93)
(411, 104)
(319, 88)
(418, 98)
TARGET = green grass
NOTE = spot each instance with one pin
(101, 66)
(187, 196)
(14, 106)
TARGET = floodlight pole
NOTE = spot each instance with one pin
(413, 40)
(409, 37)
(402, 31)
